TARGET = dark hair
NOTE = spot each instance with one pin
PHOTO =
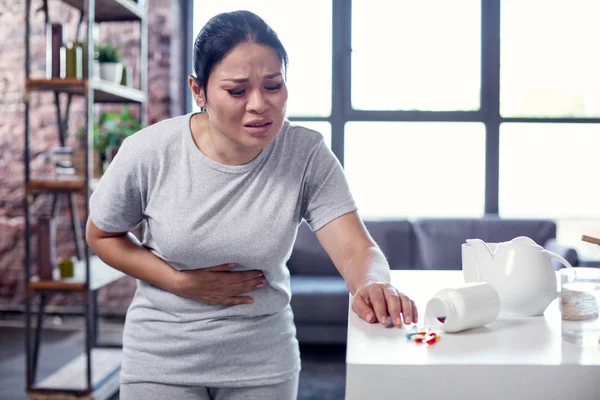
(225, 31)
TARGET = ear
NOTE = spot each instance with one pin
(197, 92)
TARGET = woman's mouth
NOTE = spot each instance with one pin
(258, 128)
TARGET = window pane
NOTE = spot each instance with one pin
(406, 169)
(549, 58)
(323, 127)
(549, 170)
(416, 55)
(309, 82)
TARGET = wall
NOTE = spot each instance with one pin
(165, 85)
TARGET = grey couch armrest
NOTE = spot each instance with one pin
(568, 253)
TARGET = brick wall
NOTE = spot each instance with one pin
(165, 85)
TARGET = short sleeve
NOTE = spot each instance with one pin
(326, 195)
(117, 203)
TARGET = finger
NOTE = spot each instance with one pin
(247, 286)
(242, 279)
(219, 268)
(378, 301)
(406, 308)
(237, 300)
(415, 312)
(363, 310)
(239, 278)
(250, 275)
(393, 305)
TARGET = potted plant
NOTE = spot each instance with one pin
(112, 129)
(111, 69)
(109, 132)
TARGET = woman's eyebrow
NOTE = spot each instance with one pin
(243, 80)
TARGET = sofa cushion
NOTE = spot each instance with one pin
(395, 239)
(439, 240)
(565, 252)
(319, 299)
(308, 256)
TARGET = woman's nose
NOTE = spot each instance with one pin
(257, 102)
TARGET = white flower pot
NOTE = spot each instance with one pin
(112, 72)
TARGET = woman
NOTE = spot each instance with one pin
(221, 194)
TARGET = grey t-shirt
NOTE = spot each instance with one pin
(199, 213)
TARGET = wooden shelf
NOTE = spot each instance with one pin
(56, 184)
(70, 379)
(104, 91)
(101, 275)
(112, 10)
(67, 183)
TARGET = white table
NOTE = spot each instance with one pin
(512, 358)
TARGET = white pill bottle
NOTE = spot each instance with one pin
(466, 307)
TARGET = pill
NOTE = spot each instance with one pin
(417, 336)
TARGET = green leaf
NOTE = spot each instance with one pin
(112, 128)
(108, 53)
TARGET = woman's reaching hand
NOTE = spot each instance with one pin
(376, 302)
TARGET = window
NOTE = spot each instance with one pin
(549, 59)
(408, 169)
(550, 70)
(546, 170)
(416, 55)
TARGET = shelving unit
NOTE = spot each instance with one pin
(95, 373)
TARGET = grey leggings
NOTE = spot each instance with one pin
(287, 390)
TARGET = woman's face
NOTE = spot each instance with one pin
(247, 96)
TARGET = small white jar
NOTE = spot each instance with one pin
(465, 307)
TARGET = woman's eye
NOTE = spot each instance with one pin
(274, 88)
(236, 92)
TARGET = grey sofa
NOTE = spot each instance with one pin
(319, 294)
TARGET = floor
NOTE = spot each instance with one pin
(322, 378)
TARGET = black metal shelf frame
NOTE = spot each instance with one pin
(91, 11)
